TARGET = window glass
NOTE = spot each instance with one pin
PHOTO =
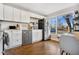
(62, 26)
(53, 25)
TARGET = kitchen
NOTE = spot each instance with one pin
(18, 28)
(25, 30)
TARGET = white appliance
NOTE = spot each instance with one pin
(46, 29)
(43, 25)
(15, 38)
(1, 42)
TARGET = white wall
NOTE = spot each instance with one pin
(5, 25)
(64, 11)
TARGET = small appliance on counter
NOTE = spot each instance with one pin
(12, 27)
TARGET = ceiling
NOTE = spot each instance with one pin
(43, 8)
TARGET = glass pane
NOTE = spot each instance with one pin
(53, 25)
(62, 26)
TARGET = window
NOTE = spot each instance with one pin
(62, 26)
(53, 25)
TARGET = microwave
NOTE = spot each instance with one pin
(12, 27)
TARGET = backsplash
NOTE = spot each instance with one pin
(5, 25)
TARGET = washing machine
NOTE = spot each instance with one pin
(1, 42)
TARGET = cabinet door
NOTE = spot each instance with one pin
(1, 12)
(8, 13)
(39, 35)
(25, 16)
(17, 38)
(17, 15)
(34, 36)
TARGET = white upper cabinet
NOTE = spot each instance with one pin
(8, 13)
(25, 16)
(17, 15)
(1, 11)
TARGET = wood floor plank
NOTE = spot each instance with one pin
(40, 48)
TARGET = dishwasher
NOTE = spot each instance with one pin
(26, 37)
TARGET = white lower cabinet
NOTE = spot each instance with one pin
(1, 42)
(39, 35)
(15, 38)
(36, 35)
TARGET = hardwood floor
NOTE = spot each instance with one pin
(40, 48)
